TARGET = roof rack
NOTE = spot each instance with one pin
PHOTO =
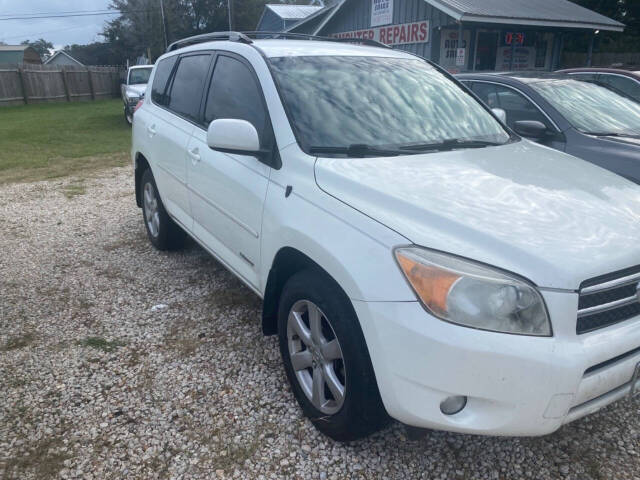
(245, 37)
(210, 37)
(305, 36)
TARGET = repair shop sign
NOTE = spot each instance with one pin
(416, 32)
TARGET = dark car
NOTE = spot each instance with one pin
(581, 118)
(624, 81)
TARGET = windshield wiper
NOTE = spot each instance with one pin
(613, 134)
(359, 150)
(451, 144)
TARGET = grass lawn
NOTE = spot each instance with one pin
(51, 140)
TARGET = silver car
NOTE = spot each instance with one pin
(133, 89)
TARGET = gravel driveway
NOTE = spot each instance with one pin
(118, 361)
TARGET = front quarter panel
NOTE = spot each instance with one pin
(354, 249)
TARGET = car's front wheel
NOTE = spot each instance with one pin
(326, 358)
(128, 115)
(162, 231)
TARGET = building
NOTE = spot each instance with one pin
(63, 58)
(19, 54)
(463, 35)
(278, 17)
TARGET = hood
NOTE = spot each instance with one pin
(136, 90)
(537, 212)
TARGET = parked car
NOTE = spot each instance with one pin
(623, 81)
(133, 89)
(581, 118)
(417, 259)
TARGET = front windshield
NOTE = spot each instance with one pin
(139, 75)
(379, 102)
(591, 108)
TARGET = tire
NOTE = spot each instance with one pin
(162, 231)
(128, 116)
(360, 411)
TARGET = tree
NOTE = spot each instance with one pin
(41, 46)
(96, 53)
(625, 11)
(139, 28)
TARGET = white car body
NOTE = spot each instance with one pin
(546, 216)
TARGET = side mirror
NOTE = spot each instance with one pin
(530, 128)
(232, 135)
(500, 113)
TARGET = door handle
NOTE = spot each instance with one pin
(151, 130)
(195, 155)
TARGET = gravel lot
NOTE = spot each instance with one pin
(118, 361)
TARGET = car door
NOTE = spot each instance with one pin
(518, 107)
(227, 191)
(177, 107)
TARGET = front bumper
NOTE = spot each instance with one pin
(516, 385)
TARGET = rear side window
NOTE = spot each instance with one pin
(159, 87)
(235, 93)
(625, 85)
(186, 89)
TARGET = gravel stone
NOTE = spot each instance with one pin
(119, 361)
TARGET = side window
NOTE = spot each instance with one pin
(235, 93)
(518, 107)
(188, 82)
(626, 85)
(159, 87)
(588, 77)
(487, 93)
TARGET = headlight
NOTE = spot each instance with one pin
(467, 293)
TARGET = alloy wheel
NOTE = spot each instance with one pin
(316, 357)
(151, 213)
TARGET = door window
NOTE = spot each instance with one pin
(186, 90)
(159, 87)
(235, 93)
(517, 106)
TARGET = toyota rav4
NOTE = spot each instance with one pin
(417, 259)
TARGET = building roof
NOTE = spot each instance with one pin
(544, 13)
(292, 12)
(13, 48)
(63, 53)
(551, 13)
(314, 23)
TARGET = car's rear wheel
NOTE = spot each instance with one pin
(326, 358)
(162, 231)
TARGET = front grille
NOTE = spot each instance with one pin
(608, 299)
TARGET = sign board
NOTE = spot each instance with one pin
(416, 32)
(453, 49)
(381, 12)
(510, 36)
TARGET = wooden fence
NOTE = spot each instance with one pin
(23, 84)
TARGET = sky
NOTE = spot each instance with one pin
(59, 31)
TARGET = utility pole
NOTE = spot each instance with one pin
(164, 25)
(229, 10)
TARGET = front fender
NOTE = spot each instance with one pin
(353, 249)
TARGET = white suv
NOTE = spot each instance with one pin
(417, 259)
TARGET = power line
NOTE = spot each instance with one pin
(53, 13)
(112, 12)
(35, 34)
